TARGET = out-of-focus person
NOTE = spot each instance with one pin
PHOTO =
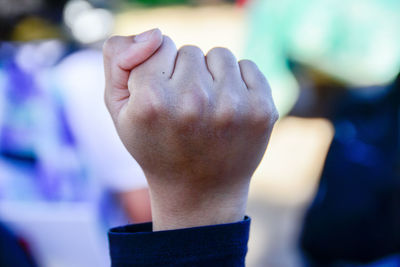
(354, 217)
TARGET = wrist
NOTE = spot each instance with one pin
(177, 206)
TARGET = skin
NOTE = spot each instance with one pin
(198, 125)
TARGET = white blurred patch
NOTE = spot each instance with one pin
(42, 54)
(88, 24)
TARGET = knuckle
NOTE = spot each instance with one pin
(274, 115)
(226, 116)
(260, 78)
(220, 51)
(261, 117)
(192, 106)
(168, 41)
(222, 54)
(250, 70)
(188, 114)
(264, 117)
(150, 111)
(149, 107)
(256, 80)
(247, 66)
(247, 63)
(190, 50)
(157, 108)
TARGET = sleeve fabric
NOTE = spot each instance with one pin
(214, 245)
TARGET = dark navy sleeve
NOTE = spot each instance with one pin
(214, 245)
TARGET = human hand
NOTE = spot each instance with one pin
(198, 126)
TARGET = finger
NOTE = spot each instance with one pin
(260, 92)
(122, 54)
(254, 78)
(191, 64)
(160, 65)
(223, 65)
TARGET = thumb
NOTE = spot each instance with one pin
(123, 53)
(143, 46)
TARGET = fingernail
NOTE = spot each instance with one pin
(143, 37)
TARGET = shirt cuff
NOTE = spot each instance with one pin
(219, 245)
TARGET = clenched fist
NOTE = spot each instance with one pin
(198, 125)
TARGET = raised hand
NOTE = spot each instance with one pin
(198, 125)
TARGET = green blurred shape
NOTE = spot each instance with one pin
(354, 41)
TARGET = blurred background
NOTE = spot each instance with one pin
(327, 193)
